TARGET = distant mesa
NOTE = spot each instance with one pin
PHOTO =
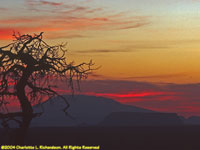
(83, 111)
(98, 111)
(141, 119)
(193, 120)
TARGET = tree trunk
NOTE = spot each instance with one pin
(26, 107)
(21, 132)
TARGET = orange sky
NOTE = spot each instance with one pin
(158, 42)
(138, 44)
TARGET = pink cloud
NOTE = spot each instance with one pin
(50, 3)
(65, 23)
(6, 33)
(137, 25)
(57, 35)
(43, 2)
(3, 9)
(68, 17)
(18, 20)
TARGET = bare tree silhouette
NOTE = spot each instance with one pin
(27, 67)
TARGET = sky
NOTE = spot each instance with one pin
(148, 50)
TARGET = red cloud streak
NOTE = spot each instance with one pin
(128, 95)
(6, 33)
(157, 101)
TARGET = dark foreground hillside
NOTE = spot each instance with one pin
(122, 138)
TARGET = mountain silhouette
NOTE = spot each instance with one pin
(141, 119)
(193, 120)
(83, 110)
